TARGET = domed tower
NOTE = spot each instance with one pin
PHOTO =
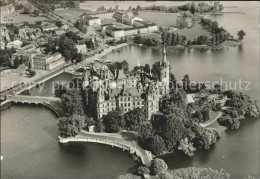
(165, 72)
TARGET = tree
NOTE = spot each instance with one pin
(70, 126)
(143, 170)
(186, 83)
(201, 40)
(129, 176)
(101, 8)
(36, 12)
(199, 173)
(204, 136)
(230, 123)
(114, 121)
(100, 127)
(173, 83)
(17, 62)
(156, 71)
(193, 8)
(186, 147)
(241, 34)
(145, 132)
(173, 130)
(134, 118)
(58, 24)
(147, 68)
(27, 9)
(157, 145)
(158, 166)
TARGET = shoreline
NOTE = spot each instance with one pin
(203, 47)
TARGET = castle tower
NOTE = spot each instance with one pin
(105, 75)
(85, 80)
(164, 73)
(100, 94)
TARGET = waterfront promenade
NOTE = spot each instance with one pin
(129, 145)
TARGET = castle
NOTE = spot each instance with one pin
(106, 93)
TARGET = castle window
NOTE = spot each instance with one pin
(128, 104)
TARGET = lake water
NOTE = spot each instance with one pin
(29, 133)
(31, 150)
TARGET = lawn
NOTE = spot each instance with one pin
(70, 14)
(160, 18)
(194, 32)
(16, 18)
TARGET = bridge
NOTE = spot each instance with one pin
(131, 146)
(46, 101)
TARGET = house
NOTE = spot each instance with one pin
(15, 44)
(92, 20)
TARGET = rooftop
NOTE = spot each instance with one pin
(91, 18)
(104, 25)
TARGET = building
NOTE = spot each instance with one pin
(49, 27)
(5, 10)
(15, 44)
(115, 32)
(47, 62)
(131, 31)
(81, 48)
(106, 93)
(101, 14)
(130, 20)
(26, 51)
(121, 16)
(91, 21)
(151, 27)
(104, 26)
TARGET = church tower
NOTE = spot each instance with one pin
(165, 73)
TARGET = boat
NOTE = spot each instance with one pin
(2, 157)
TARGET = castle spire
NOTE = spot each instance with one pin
(164, 60)
(138, 64)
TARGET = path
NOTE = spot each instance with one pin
(205, 124)
(129, 145)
